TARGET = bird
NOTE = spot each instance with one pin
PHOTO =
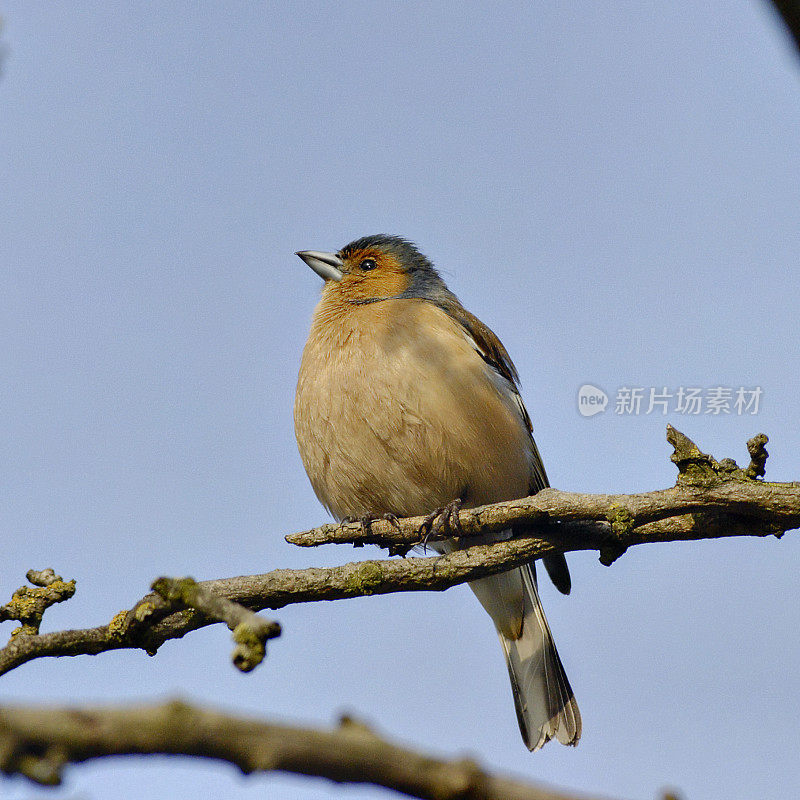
(407, 405)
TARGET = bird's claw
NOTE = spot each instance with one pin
(392, 520)
(444, 519)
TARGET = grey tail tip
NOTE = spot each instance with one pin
(543, 698)
(565, 728)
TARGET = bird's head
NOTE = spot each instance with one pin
(376, 268)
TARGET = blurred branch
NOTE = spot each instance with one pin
(710, 500)
(790, 13)
(39, 742)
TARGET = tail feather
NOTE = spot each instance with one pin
(543, 698)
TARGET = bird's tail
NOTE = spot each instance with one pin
(543, 698)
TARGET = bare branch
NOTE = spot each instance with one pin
(728, 495)
(152, 621)
(711, 500)
(28, 605)
(39, 742)
(250, 632)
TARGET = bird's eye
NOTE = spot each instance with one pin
(367, 264)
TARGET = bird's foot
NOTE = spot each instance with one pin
(442, 520)
(392, 520)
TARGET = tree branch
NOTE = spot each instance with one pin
(710, 500)
(250, 632)
(28, 605)
(38, 742)
(730, 500)
(152, 621)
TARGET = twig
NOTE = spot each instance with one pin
(28, 605)
(758, 456)
(250, 632)
(40, 742)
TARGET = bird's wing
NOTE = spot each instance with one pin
(492, 351)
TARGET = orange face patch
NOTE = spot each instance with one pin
(363, 281)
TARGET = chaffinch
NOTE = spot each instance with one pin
(406, 402)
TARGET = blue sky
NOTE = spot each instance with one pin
(614, 190)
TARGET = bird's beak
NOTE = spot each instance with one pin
(327, 265)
